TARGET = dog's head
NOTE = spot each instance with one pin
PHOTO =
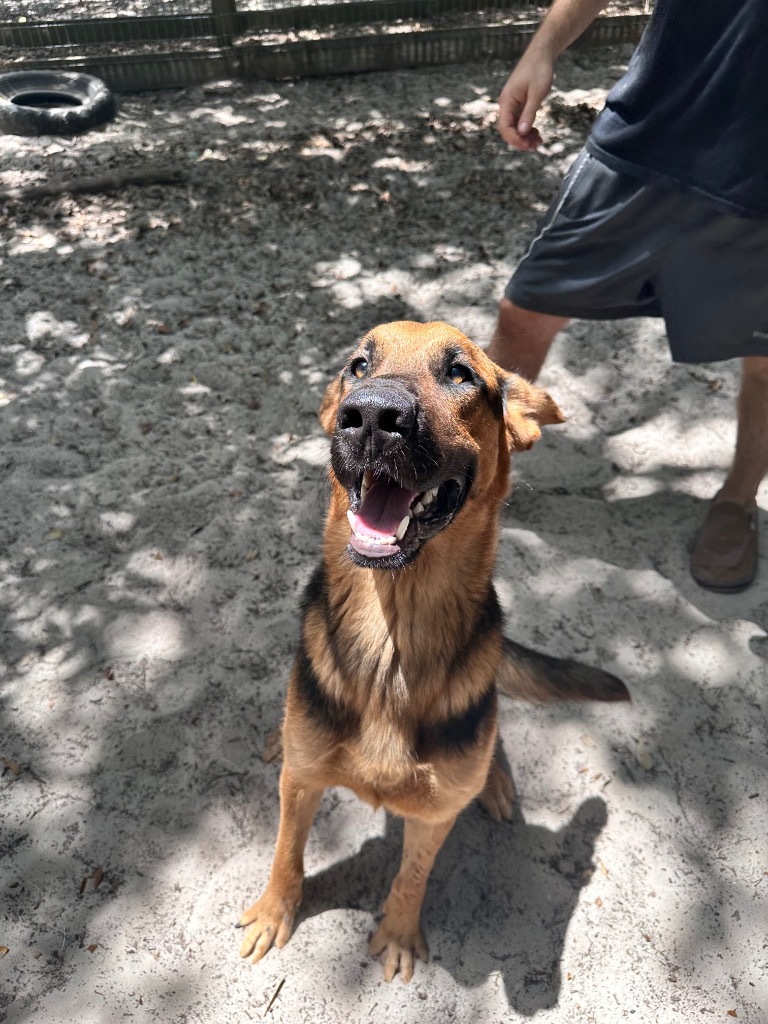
(422, 425)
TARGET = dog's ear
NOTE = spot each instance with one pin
(528, 408)
(329, 406)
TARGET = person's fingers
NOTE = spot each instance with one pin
(519, 103)
(528, 115)
(511, 105)
(510, 129)
(530, 140)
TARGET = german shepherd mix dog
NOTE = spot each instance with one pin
(393, 691)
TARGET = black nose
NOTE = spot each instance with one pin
(381, 415)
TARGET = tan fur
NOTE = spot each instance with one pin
(395, 654)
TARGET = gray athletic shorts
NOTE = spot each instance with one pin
(614, 246)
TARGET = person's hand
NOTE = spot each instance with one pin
(526, 89)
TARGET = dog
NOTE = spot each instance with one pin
(393, 692)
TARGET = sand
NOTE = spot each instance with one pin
(163, 352)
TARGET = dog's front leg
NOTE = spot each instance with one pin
(270, 920)
(399, 935)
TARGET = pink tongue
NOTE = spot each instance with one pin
(384, 507)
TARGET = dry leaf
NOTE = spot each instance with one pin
(12, 766)
(98, 877)
(4, 951)
(93, 947)
(732, 1013)
(319, 142)
(643, 755)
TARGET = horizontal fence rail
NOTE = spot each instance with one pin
(225, 19)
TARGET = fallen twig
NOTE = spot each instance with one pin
(104, 183)
(274, 997)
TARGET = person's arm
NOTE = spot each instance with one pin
(529, 84)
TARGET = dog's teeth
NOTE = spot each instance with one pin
(363, 489)
(400, 531)
(426, 499)
(351, 517)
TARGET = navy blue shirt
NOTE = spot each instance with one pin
(693, 105)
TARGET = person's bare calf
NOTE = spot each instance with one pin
(523, 338)
(750, 460)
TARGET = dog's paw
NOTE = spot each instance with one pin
(498, 795)
(269, 922)
(401, 946)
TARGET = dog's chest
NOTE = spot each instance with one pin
(380, 761)
(383, 766)
(390, 785)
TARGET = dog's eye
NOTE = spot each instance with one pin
(359, 368)
(459, 374)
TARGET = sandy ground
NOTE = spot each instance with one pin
(162, 355)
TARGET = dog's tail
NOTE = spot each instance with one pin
(528, 675)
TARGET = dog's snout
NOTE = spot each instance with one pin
(385, 415)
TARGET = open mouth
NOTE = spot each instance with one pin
(390, 522)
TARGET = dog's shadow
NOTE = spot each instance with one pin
(499, 900)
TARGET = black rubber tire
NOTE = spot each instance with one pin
(53, 103)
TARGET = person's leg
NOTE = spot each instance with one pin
(522, 339)
(724, 557)
(750, 461)
(595, 254)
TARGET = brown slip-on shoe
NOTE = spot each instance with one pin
(724, 557)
